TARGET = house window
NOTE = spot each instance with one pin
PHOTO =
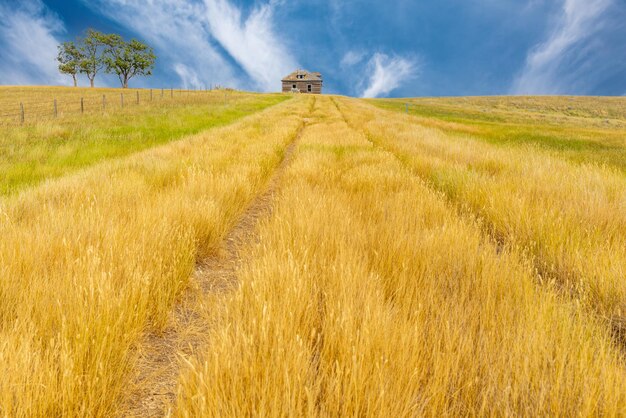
(293, 86)
(308, 88)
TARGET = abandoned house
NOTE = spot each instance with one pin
(302, 81)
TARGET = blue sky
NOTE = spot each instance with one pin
(362, 47)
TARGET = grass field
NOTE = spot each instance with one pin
(51, 148)
(582, 129)
(326, 256)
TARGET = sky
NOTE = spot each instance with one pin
(364, 48)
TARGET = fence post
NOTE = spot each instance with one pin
(22, 113)
(137, 96)
(56, 114)
(161, 93)
(172, 93)
(82, 105)
(122, 99)
(104, 102)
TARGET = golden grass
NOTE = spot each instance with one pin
(89, 261)
(570, 218)
(38, 101)
(45, 148)
(580, 129)
(369, 295)
(573, 111)
(405, 270)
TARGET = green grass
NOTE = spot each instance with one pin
(33, 153)
(581, 129)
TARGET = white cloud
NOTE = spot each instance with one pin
(188, 77)
(352, 58)
(543, 72)
(251, 42)
(388, 73)
(28, 44)
(176, 30)
(185, 33)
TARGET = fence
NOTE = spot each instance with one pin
(14, 111)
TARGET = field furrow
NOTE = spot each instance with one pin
(162, 351)
(369, 295)
(90, 262)
(570, 219)
(319, 257)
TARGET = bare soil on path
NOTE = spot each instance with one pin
(154, 383)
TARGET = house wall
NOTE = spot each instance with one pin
(316, 86)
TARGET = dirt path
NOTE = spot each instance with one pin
(153, 389)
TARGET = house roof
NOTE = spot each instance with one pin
(308, 76)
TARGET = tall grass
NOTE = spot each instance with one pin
(581, 129)
(49, 148)
(368, 295)
(88, 262)
(570, 218)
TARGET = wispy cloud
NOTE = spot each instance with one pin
(28, 44)
(546, 71)
(177, 31)
(387, 73)
(189, 78)
(251, 41)
(352, 58)
(208, 42)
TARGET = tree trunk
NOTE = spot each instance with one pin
(91, 82)
(75, 82)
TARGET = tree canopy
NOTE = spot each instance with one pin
(97, 51)
(128, 59)
(92, 46)
(70, 58)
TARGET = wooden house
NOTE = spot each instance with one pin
(302, 81)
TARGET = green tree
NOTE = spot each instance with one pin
(128, 59)
(91, 48)
(69, 59)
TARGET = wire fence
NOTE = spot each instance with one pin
(15, 111)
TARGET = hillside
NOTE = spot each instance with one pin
(582, 129)
(279, 255)
(46, 145)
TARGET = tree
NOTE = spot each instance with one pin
(91, 49)
(128, 59)
(69, 59)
